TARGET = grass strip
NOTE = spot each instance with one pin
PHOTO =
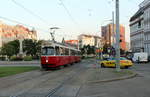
(12, 70)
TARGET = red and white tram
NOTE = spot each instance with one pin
(57, 54)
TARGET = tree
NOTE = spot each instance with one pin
(38, 47)
(87, 49)
(11, 48)
(105, 48)
(122, 52)
(29, 47)
(32, 47)
(8, 50)
(16, 45)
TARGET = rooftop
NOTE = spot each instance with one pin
(137, 14)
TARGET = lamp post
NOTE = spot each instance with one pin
(20, 38)
(21, 48)
(101, 29)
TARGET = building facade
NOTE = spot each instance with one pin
(140, 28)
(128, 46)
(137, 31)
(10, 33)
(73, 42)
(146, 16)
(90, 40)
(109, 35)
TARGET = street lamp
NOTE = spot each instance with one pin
(20, 38)
(101, 31)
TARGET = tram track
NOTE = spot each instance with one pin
(66, 81)
(53, 91)
(62, 77)
(60, 73)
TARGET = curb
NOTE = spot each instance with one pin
(115, 79)
(23, 62)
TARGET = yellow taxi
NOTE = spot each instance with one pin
(110, 62)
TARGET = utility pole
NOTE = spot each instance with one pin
(117, 38)
(113, 32)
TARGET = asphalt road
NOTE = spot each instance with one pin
(69, 82)
(136, 87)
(143, 69)
(65, 82)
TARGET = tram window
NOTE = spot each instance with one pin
(62, 51)
(48, 51)
(76, 53)
(43, 51)
(72, 52)
(66, 51)
(79, 53)
(57, 50)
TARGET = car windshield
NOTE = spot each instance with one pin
(122, 58)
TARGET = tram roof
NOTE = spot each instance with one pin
(64, 45)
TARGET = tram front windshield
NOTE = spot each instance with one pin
(48, 51)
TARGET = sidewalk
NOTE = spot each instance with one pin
(98, 75)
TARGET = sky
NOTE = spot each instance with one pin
(73, 17)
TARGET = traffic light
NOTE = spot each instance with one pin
(120, 40)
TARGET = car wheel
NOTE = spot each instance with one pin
(126, 67)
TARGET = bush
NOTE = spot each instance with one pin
(16, 58)
(2, 58)
(27, 58)
(36, 57)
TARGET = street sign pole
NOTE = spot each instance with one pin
(117, 38)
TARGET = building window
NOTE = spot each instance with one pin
(147, 48)
(139, 24)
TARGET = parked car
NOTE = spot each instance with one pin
(110, 62)
(140, 57)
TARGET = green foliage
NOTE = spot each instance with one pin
(105, 48)
(32, 47)
(27, 58)
(122, 52)
(11, 48)
(87, 49)
(7, 71)
(2, 58)
(8, 49)
(16, 58)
